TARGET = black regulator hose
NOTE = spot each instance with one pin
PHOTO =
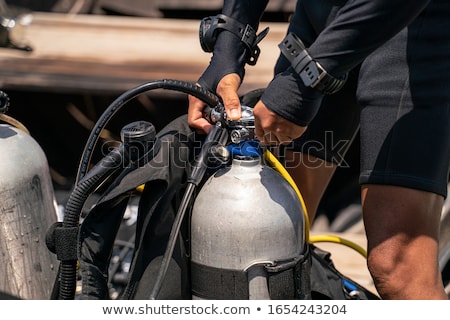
(72, 212)
(87, 182)
(176, 85)
(138, 142)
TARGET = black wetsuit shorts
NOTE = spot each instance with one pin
(398, 99)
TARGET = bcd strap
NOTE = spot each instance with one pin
(291, 279)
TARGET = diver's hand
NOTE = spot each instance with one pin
(195, 116)
(272, 129)
(227, 90)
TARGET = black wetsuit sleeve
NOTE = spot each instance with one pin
(230, 53)
(360, 27)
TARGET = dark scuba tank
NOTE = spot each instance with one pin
(28, 208)
(247, 221)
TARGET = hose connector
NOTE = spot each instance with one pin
(138, 138)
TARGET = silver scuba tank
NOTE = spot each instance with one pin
(245, 219)
(27, 209)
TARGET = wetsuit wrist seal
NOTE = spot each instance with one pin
(210, 27)
(311, 72)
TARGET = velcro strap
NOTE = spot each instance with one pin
(210, 25)
(311, 72)
(66, 243)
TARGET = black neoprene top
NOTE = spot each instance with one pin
(357, 29)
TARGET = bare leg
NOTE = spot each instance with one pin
(402, 227)
(311, 175)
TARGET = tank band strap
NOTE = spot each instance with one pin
(286, 280)
(218, 284)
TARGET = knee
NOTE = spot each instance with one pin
(385, 270)
(399, 273)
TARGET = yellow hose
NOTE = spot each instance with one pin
(275, 163)
(336, 239)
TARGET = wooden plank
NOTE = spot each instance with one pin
(95, 53)
(154, 8)
(273, 5)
